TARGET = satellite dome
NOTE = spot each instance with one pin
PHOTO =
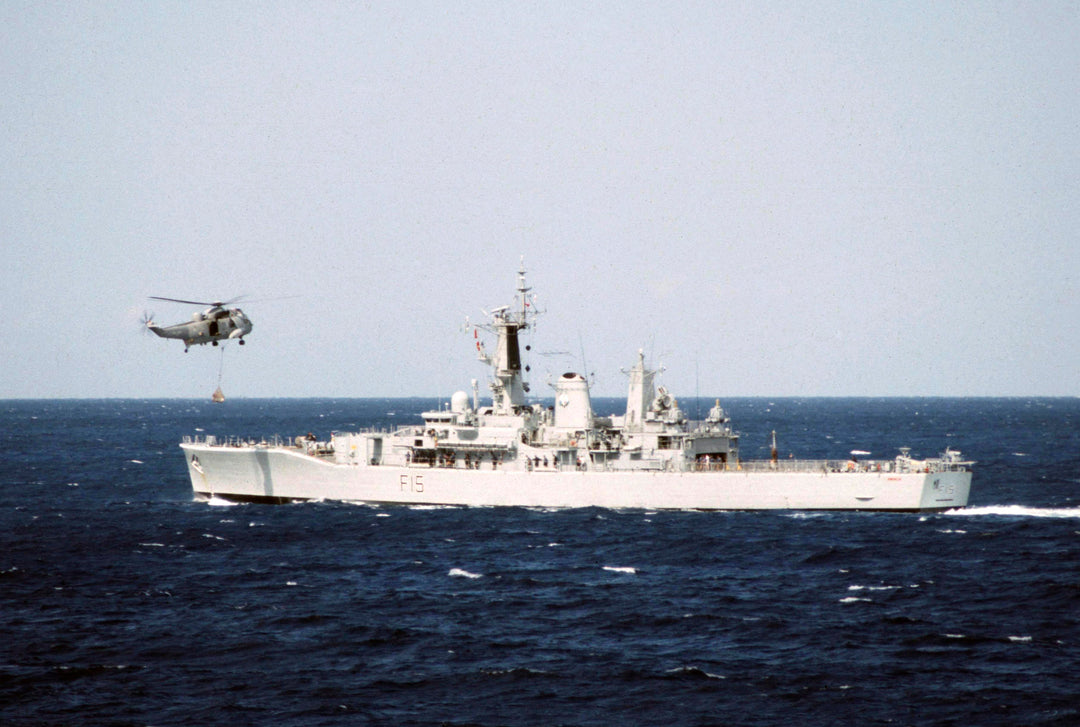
(459, 402)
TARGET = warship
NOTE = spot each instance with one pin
(511, 451)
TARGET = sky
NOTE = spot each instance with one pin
(767, 198)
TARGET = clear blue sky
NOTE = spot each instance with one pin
(769, 198)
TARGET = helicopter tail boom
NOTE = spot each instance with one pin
(148, 321)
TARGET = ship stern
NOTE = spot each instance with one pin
(945, 490)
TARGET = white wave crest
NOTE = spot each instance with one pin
(620, 569)
(459, 573)
(1018, 511)
(695, 671)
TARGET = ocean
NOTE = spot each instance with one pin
(125, 602)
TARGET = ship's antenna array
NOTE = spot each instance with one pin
(584, 364)
(523, 291)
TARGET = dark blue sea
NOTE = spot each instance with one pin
(125, 602)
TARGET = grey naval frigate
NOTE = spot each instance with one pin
(513, 452)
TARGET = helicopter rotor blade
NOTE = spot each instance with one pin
(247, 300)
(215, 303)
(223, 303)
(178, 300)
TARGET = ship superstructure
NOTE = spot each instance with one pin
(519, 453)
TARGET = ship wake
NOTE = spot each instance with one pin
(1018, 511)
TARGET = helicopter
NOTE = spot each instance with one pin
(217, 323)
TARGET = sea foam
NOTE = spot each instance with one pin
(1018, 511)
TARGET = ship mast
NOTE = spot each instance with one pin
(508, 387)
(641, 394)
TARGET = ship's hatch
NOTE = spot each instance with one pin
(375, 450)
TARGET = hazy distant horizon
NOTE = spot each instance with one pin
(485, 401)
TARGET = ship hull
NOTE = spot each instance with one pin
(279, 474)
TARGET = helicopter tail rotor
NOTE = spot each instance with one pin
(148, 325)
